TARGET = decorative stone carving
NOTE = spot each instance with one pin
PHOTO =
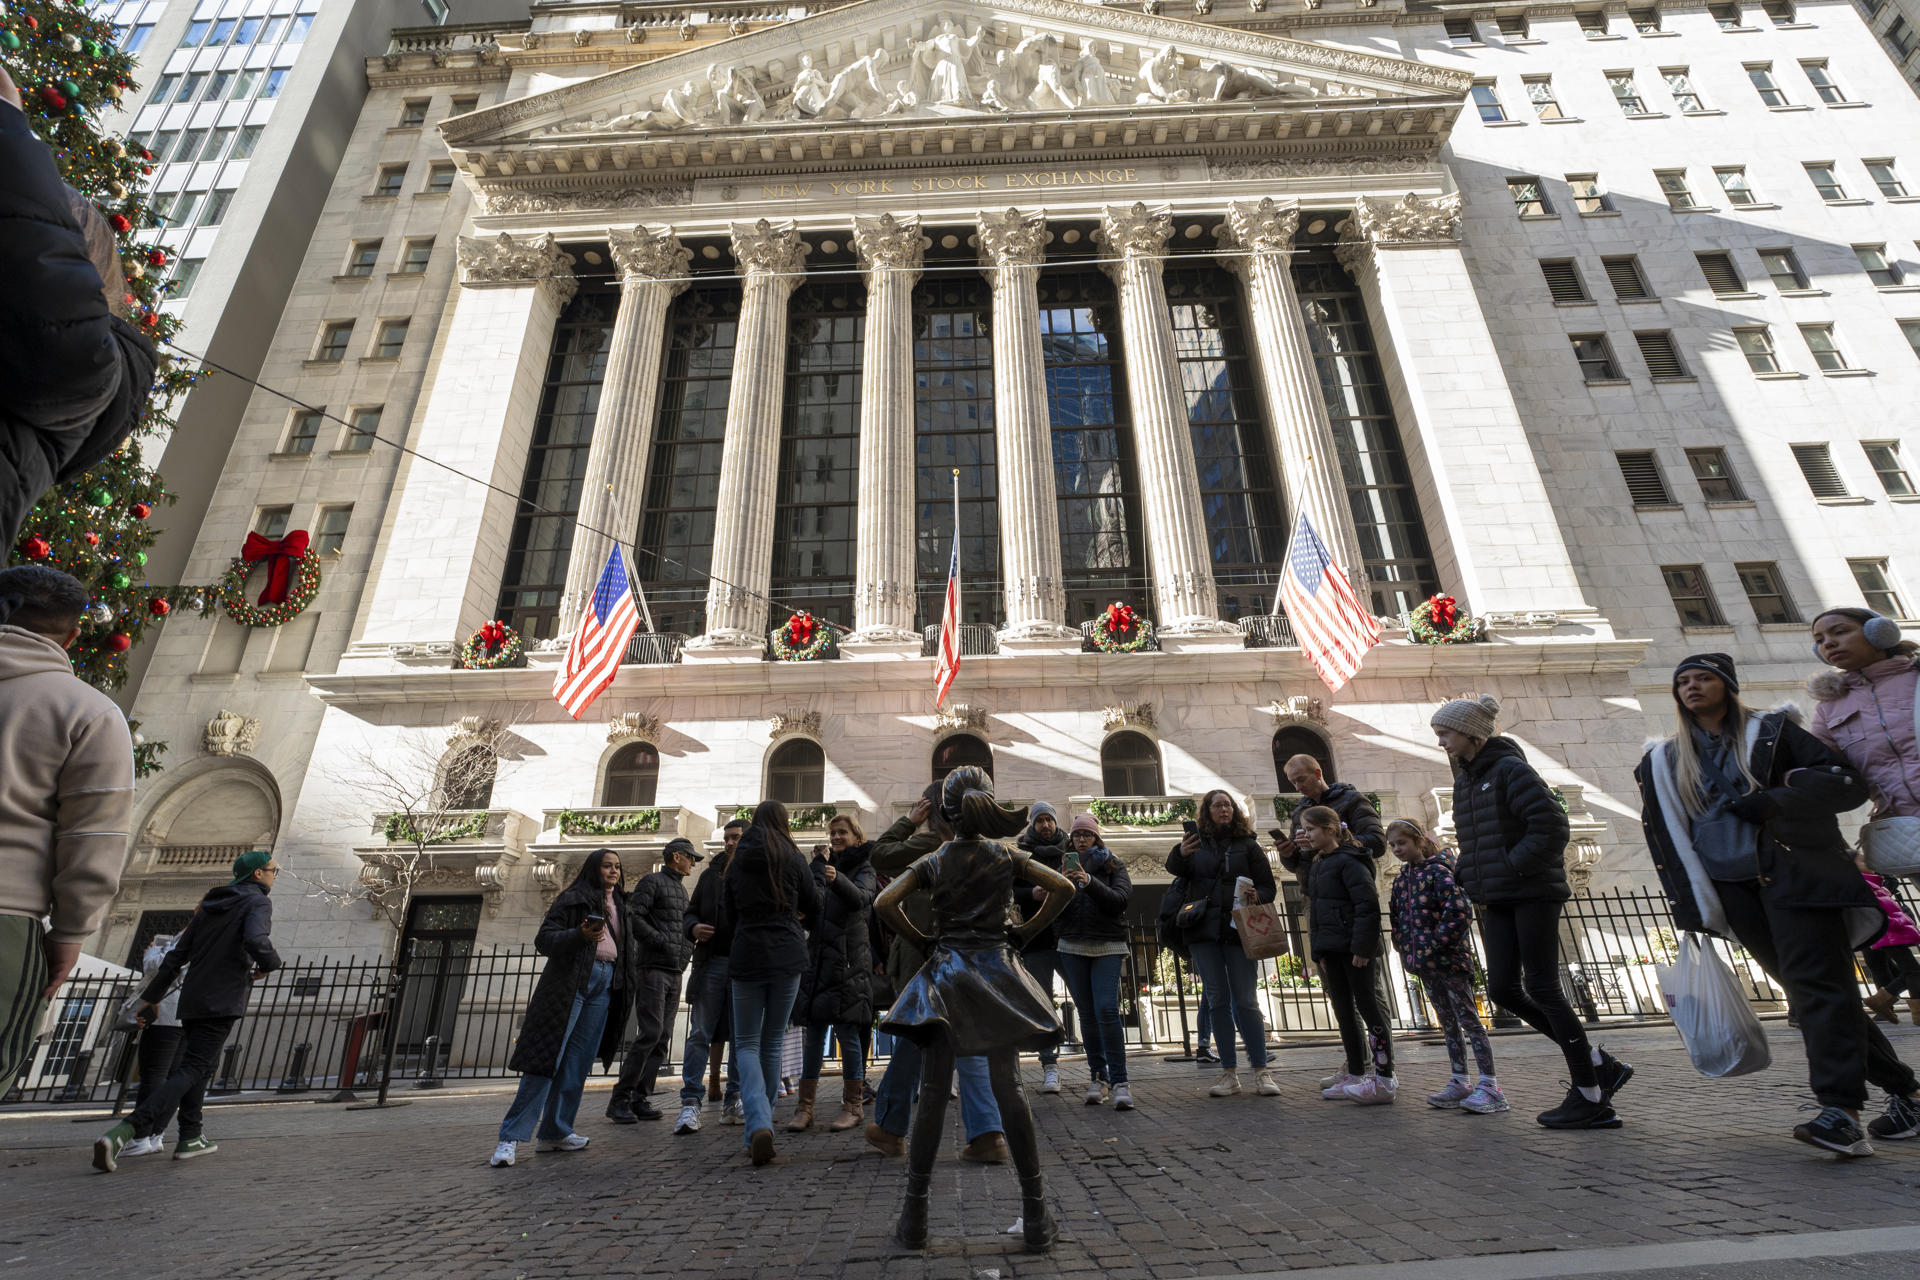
(1134, 232)
(795, 721)
(531, 40)
(636, 34)
(633, 726)
(770, 248)
(1014, 238)
(887, 243)
(1266, 227)
(520, 201)
(1293, 710)
(392, 61)
(648, 253)
(737, 27)
(957, 717)
(688, 31)
(1411, 219)
(468, 730)
(1137, 715)
(1534, 620)
(429, 649)
(231, 734)
(504, 260)
(546, 875)
(1321, 167)
(582, 38)
(1202, 8)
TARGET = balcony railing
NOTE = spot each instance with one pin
(976, 640)
(809, 821)
(1266, 631)
(1088, 646)
(654, 648)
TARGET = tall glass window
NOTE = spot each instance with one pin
(683, 475)
(1246, 526)
(1393, 538)
(817, 490)
(542, 539)
(1094, 475)
(953, 427)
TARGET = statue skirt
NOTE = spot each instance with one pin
(980, 998)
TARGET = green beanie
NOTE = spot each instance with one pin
(247, 863)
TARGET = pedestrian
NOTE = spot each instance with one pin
(768, 893)
(1741, 812)
(160, 1045)
(836, 994)
(1203, 1054)
(1432, 929)
(1345, 942)
(1866, 712)
(1092, 946)
(225, 949)
(1362, 820)
(1890, 959)
(712, 939)
(1044, 841)
(898, 848)
(66, 799)
(657, 922)
(1217, 865)
(1512, 834)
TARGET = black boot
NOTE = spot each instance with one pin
(619, 1111)
(1036, 1218)
(911, 1231)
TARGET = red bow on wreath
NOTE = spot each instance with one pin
(1444, 612)
(800, 629)
(493, 635)
(280, 557)
(1119, 618)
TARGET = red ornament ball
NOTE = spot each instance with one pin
(156, 258)
(55, 100)
(93, 539)
(119, 642)
(119, 224)
(33, 23)
(158, 607)
(37, 548)
(141, 511)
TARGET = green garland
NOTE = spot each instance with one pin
(400, 830)
(810, 818)
(574, 823)
(232, 592)
(1108, 815)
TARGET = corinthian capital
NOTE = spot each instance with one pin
(503, 260)
(1136, 231)
(887, 243)
(1408, 220)
(769, 248)
(650, 253)
(1013, 238)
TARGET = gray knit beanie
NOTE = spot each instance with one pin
(1474, 717)
(1039, 807)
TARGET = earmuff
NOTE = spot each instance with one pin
(1881, 633)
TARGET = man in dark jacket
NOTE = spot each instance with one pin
(712, 939)
(74, 375)
(657, 912)
(1048, 844)
(225, 948)
(1362, 819)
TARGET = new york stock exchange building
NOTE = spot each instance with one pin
(742, 288)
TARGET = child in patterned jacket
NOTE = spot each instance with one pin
(1431, 919)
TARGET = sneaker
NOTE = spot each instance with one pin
(1122, 1097)
(1265, 1085)
(689, 1121)
(1835, 1130)
(108, 1146)
(1205, 1057)
(502, 1156)
(733, 1111)
(1050, 1081)
(1095, 1093)
(1901, 1119)
(1374, 1091)
(142, 1147)
(572, 1142)
(1611, 1075)
(192, 1147)
(1485, 1100)
(1575, 1112)
(1226, 1086)
(1450, 1098)
(1334, 1088)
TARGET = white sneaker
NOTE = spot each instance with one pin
(1226, 1086)
(1050, 1081)
(143, 1147)
(1265, 1085)
(1095, 1093)
(1338, 1079)
(572, 1142)
(1336, 1089)
(689, 1121)
(1373, 1091)
(733, 1111)
(1122, 1098)
(502, 1155)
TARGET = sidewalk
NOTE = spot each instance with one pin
(1184, 1186)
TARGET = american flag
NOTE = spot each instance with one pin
(1329, 622)
(943, 675)
(599, 639)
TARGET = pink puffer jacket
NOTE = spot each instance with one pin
(1867, 716)
(1900, 930)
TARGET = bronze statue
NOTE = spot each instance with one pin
(973, 996)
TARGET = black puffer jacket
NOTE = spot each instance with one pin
(1097, 912)
(1511, 832)
(1210, 874)
(1048, 853)
(1345, 903)
(703, 907)
(1362, 819)
(769, 940)
(838, 984)
(222, 945)
(659, 907)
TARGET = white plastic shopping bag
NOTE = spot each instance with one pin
(1711, 1012)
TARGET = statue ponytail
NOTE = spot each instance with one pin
(967, 803)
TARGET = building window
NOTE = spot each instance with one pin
(1783, 268)
(1911, 329)
(392, 340)
(1733, 181)
(797, 772)
(961, 751)
(1885, 177)
(184, 207)
(1756, 344)
(1766, 593)
(1715, 475)
(953, 427)
(461, 106)
(1563, 280)
(244, 144)
(1513, 26)
(439, 180)
(191, 86)
(633, 778)
(1595, 355)
(1822, 81)
(190, 143)
(1130, 765)
(1626, 93)
(332, 533)
(1593, 23)
(1761, 76)
(1460, 32)
(298, 31)
(1680, 85)
(1727, 15)
(249, 31)
(1628, 281)
(305, 429)
(360, 436)
(414, 261)
(1487, 98)
(1588, 195)
(164, 90)
(413, 113)
(1826, 182)
(218, 144)
(333, 341)
(272, 522)
(360, 261)
(392, 178)
(275, 78)
(1722, 276)
(1645, 485)
(1645, 21)
(270, 35)
(214, 212)
(1540, 94)
(1662, 356)
(136, 38)
(1884, 457)
(1692, 597)
(1876, 585)
(223, 31)
(467, 777)
(1816, 464)
(181, 283)
(1673, 185)
(1900, 36)
(1873, 261)
(1529, 198)
(1826, 352)
(243, 85)
(1779, 12)
(817, 486)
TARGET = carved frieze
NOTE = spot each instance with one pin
(231, 734)
(1355, 164)
(495, 200)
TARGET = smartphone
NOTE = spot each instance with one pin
(599, 920)
(1189, 826)
(1071, 861)
(1279, 836)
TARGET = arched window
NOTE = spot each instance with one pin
(959, 750)
(1130, 766)
(466, 779)
(797, 772)
(1288, 743)
(633, 777)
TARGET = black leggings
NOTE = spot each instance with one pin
(1894, 970)
(1523, 977)
(1355, 997)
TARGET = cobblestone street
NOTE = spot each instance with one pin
(1184, 1186)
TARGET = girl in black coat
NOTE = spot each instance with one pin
(1740, 812)
(1092, 949)
(1345, 904)
(836, 993)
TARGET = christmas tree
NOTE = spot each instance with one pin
(99, 526)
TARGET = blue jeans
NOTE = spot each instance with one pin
(853, 1060)
(706, 1001)
(760, 1010)
(1094, 982)
(1226, 983)
(1043, 965)
(900, 1085)
(1204, 1026)
(555, 1100)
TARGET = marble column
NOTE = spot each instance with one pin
(1012, 246)
(769, 258)
(883, 598)
(1258, 241)
(1498, 545)
(442, 561)
(653, 268)
(1134, 238)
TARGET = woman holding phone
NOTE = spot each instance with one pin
(1092, 947)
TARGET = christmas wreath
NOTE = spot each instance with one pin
(494, 645)
(1439, 621)
(802, 639)
(1121, 630)
(293, 580)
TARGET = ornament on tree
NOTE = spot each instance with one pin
(158, 607)
(100, 614)
(101, 497)
(53, 98)
(93, 539)
(119, 642)
(156, 258)
(37, 548)
(119, 582)
(140, 510)
(71, 41)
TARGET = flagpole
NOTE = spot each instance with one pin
(956, 544)
(627, 563)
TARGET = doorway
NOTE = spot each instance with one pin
(438, 947)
